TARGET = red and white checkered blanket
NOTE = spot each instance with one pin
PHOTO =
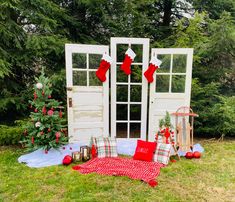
(135, 169)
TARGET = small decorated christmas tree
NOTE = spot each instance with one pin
(46, 129)
(165, 130)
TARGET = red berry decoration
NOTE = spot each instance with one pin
(43, 93)
(36, 110)
(60, 114)
(46, 151)
(57, 135)
(44, 110)
(41, 132)
(32, 140)
(49, 96)
(35, 95)
(189, 155)
(196, 154)
(48, 130)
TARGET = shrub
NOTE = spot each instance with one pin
(11, 135)
(216, 112)
(225, 113)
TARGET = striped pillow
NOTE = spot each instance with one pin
(105, 146)
(162, 153)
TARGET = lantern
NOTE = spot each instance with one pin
(85, 153)
(76, 156)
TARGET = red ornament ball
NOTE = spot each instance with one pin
(50, 112)
(196, 154)
(189, 155)
(67, 160)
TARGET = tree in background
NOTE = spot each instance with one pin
(31, 35)
(46, 129)
(34, 32)
(213, 67)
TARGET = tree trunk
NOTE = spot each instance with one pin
(167, 6)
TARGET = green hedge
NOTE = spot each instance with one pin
(11, 135)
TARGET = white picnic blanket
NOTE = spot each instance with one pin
(39, 158)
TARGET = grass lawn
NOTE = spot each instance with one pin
(211, 178)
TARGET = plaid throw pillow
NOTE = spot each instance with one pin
(105, 146)
(162, 153)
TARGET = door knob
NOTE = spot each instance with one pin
(70, 102)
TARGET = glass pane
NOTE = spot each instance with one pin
(179, 63)
(121, 112)
(138, 49)
(94, 61)
(121, 49)
(121, 130)
(178, 84)
(135, 112)
(136, 74)
(79, 78)
(79, 60)
(93, 80)
(134, 130)
(162, 83)
(121, 76)
(135, 93)
(122, 93)
(166, 63)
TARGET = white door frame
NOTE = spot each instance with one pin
(71, 90)
(186, 96)
(145, 58)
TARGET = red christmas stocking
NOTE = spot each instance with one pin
(153, 66)
(103, 68)
(129, 57)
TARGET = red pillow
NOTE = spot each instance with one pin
(144, 150)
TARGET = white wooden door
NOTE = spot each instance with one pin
(87, 97)
(129, 93)
(171, 87)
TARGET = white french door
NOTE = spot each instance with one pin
(87, 97)
(129, 93)
(171, 87)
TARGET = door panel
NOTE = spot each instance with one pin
(171, 87)
(87, 97)
(129, 93)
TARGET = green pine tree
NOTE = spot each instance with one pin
(46, 129)
(166, 121)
